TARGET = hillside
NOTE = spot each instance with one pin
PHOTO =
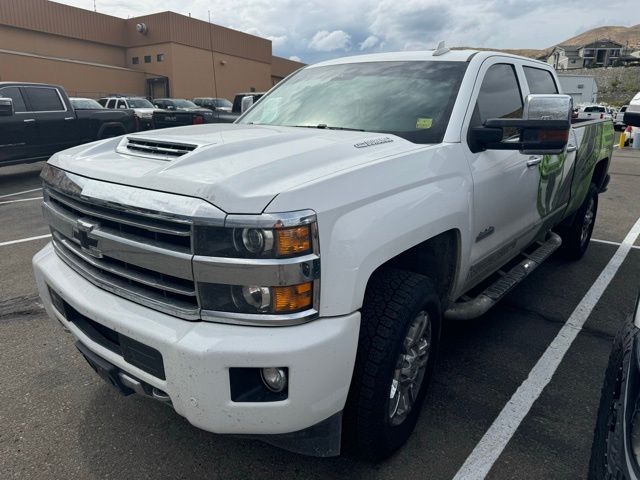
(623, 35)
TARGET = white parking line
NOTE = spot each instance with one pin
(22, 240)
(21, 200)
(609, 242)
(487, 451)
(20, 193)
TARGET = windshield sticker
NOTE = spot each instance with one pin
(373, 142)
(424, 123)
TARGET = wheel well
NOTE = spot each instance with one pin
(599, 173)
(436, 258)
(111, 130)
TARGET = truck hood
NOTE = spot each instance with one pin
(238, 168)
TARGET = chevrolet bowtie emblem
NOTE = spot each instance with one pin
(81, 232)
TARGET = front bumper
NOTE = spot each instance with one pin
(197, 356)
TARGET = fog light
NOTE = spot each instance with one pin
(275, 379)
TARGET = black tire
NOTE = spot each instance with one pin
(607, 452)
(393, 302)
(574, 240)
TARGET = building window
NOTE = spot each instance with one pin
(160, 57)
(135, 60)
(147, 59)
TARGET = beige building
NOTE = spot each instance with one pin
(164, 54)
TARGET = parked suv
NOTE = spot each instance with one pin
(142, 107)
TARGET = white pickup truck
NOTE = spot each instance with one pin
(286, 277)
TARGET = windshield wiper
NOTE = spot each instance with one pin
(327, 127)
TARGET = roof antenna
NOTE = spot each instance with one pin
(440, 49)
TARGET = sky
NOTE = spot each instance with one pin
(316, 30)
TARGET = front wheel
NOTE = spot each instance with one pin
(576, 237)
(399, 336)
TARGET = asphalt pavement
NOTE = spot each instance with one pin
(59, 420)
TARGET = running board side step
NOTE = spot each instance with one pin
(466, 310)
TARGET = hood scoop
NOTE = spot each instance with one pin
(164, 150)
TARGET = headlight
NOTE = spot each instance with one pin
(259, 269)
(245, 236)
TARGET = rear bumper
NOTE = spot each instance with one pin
(197, 356)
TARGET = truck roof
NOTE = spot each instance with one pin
(421, 55)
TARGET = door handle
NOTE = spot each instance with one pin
(69, 118)
(29, 120)
(534, 160)
(571, 148)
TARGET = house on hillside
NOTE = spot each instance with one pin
(565, 57)
(601, 53)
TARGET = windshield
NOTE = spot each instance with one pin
(222, 102)
(184, 103)
(139, 103)
(410, 99)
(85, 104)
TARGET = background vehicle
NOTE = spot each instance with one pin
(179, 112)
(142, 107)
(356, 207)
(615, 453)
(214, 103)
(593, 112)
(38, 120)
(618, 122)
(237, 100)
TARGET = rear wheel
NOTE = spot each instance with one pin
(399, 336)
(576, 237)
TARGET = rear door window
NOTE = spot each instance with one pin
(122, 104)
(14, 94)
(44, 99)
(499, 97)
(540, 81)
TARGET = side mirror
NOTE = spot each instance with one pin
(632, 116)
(6, 107)
(544, 127)
(246, 103)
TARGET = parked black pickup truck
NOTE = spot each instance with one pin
(178, 112)
(37, 120)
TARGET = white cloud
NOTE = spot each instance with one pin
(370, 42)
(324, 41)
(320, 29)
(295, 58)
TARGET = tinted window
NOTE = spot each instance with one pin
(139, 103)
(409, 99)
(122, 104)
(499, 97)
(14, 94)
(103, 102)
(540, 81)
(111, 104)
(44, 99)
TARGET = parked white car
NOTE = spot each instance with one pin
(287, 276)
(594, 112)
(618, 121)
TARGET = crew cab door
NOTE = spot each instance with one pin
(505, 192)
(17, 131)
(56, 121)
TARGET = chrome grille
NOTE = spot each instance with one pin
(137, 250)
(156, 148)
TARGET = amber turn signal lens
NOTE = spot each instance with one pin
(292, 241)
(293, 298)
